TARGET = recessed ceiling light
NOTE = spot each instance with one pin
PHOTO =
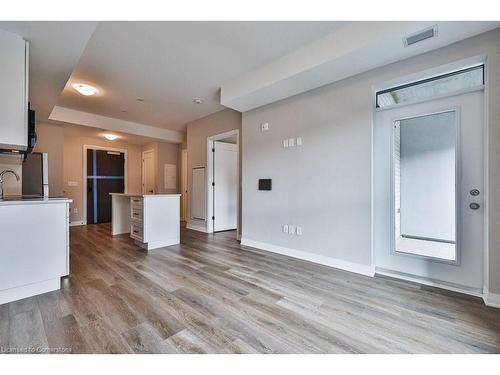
(111, 137)
(84, 89)
(197, 101)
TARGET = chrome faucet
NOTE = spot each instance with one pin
(3, 173)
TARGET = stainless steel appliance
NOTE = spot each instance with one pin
(35, 175)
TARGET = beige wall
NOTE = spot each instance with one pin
(73, 167)
(165, 153)
(51, 141)
(197, 133)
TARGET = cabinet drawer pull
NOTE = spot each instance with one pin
(136, 231)
(135, 214)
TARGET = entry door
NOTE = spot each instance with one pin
(225, 186)
(148, 172)
(429, 191)
(105, 175)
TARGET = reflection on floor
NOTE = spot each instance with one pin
(433, 249)
(211, 295)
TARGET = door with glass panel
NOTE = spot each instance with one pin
(429, 195)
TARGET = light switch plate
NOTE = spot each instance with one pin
(264, 127)
(299, 141)
(291, 229)
(298, 230)
(291, 142)
(285, 228)
(285, 143)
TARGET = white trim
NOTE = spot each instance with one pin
(73, 116)
(491, 299)
(367, 270)
(30, 290)
(84, 172)
(76, 223)
(197, 227)
(209, 175)
(155, 168)
(430, 282)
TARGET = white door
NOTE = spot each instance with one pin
(225, 181)
(184, 184)
(148, 172)
(429, 191)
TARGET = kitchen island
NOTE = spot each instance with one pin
(34, 246)
(153, 221)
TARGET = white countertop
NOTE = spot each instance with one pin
(145, 195)
(18, 201)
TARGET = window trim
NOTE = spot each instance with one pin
(431, 79)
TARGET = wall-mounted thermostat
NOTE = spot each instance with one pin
(265, 184)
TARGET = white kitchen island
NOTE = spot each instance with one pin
(153, 221)
(34, 246)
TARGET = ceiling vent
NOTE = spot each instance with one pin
(428, 33)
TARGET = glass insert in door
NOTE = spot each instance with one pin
(424, 171)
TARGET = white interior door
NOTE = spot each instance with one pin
(184, 185)
(226, 186)
(429, 191)
(148, 172)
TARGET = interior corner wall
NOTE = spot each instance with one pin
(324, 186)
(197, 133)
(165, 153)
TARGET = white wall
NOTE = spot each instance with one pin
(325, 185)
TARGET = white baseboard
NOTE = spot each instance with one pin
(491, 299)
(76, 223)
(25, 291)
(196, 227)
(429, 282)
(311, 257)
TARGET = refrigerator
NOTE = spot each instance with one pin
(35, 175)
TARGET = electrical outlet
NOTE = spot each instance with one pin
(291, 229)
(291, 142)
(285, 228)
(75, 210)
(285, 143)
(298, 230)
(299, 141)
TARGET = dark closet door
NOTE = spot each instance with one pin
(105, 171)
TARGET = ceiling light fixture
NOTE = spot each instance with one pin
(84, 89)
(111, 137)
(197, 101)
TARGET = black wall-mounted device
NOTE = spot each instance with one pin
(265, 184)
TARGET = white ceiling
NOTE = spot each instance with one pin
(170, 63)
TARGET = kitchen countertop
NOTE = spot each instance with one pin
(15, 200)
(145, 195)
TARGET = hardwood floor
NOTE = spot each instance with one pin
(207, 295)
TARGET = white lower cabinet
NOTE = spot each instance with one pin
(34, 251)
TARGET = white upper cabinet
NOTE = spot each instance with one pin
(13, 91)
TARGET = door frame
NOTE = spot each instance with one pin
(84, 178)
(209, 177)
(435, 71)
(142, 170)
(184, 184)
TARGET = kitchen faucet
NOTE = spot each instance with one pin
(3, 173)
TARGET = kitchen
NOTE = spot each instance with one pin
(37, 207)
